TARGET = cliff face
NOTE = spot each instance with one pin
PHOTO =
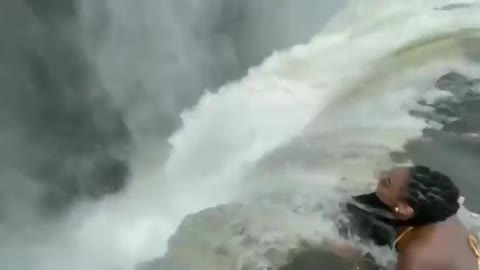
(59, 137)
(232, 236)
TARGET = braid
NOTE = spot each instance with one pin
(432, 195)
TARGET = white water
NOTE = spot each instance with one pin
(309, 116)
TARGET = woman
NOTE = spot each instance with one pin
(420, 206)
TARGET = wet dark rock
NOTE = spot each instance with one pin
(456, 83)
(452, 81)
(452, 149)
(455, 6)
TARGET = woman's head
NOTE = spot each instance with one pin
(418, 194)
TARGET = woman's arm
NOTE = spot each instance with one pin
(416, 259)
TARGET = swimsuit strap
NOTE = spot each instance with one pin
(473, 242)
(407, 230)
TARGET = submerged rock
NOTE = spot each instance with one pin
(252, 237)
(316, 259)
(261, 237)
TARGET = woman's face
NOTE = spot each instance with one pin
(391, 188)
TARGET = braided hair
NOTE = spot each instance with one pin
(432, 195)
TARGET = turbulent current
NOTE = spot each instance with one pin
(234, 157)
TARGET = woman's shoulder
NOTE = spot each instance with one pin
(434, 247)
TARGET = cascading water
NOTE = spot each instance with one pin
(308, 124)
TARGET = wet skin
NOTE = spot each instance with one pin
(443, 245)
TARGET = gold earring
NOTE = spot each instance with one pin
(396, 209)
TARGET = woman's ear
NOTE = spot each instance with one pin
(404, 211)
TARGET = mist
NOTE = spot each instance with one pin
(88, 84)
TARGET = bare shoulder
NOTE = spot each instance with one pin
(419, 257)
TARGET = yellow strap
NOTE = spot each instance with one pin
(402, 235)
(472, 240)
